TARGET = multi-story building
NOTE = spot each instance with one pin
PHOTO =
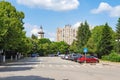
(67, 34)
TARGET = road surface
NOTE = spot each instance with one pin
(55, 68)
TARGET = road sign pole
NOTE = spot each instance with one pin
(85, 57)
(85, 51)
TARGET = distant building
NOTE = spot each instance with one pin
(40, 33)
(67, 34)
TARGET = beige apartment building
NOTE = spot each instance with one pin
(67, 34)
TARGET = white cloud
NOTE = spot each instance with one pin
(34, 29)
(102, 7)
(31, 29)
(105, 7)
(56, 5)
(77, 24)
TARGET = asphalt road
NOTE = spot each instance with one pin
(55, 68)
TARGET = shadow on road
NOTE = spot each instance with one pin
(8, 69)
(17, 66)
(22, 65)
(25, 78)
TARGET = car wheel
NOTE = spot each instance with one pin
(97, 61)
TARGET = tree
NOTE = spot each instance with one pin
(91, 45)
(83, 35)
(95, 39)
(43, 46)
(11, 26)
(25, 46)
(33, 36)
(62, 47)
(58, 46)
(118, 37)
(44, 40)
(105, 45)
(12, 34)
(73, 46)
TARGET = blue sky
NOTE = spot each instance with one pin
(57, 13)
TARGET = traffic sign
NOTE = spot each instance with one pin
(85, 50)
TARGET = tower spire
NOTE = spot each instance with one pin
(41, 33)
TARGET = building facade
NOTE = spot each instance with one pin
(67, 34)
(40, 33)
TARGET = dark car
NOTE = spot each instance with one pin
(34, 55)
(88, 59)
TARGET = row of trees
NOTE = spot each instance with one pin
(11, 27)
(101, 40)
(13, 38)
(45, 47)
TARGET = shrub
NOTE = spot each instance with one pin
(114, 57)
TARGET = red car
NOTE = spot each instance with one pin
(88, 59)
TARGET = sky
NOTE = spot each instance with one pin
(51, 14)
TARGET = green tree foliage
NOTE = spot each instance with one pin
(95, 39)
(25, 46)
(12, 34)
(43, 46)
(73, 47)
(113, 56)
(91, 45)
(11, 26)
(117, 46)
(105, 45)
(34, 36)
(62, 46)
(83, 35)
(44, 40)
(58, 46)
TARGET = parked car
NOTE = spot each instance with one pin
(72, 56)
(76, 57)
(67, 57)
(34, 55)
(88, 59)
(61, 55)
(51, 55)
